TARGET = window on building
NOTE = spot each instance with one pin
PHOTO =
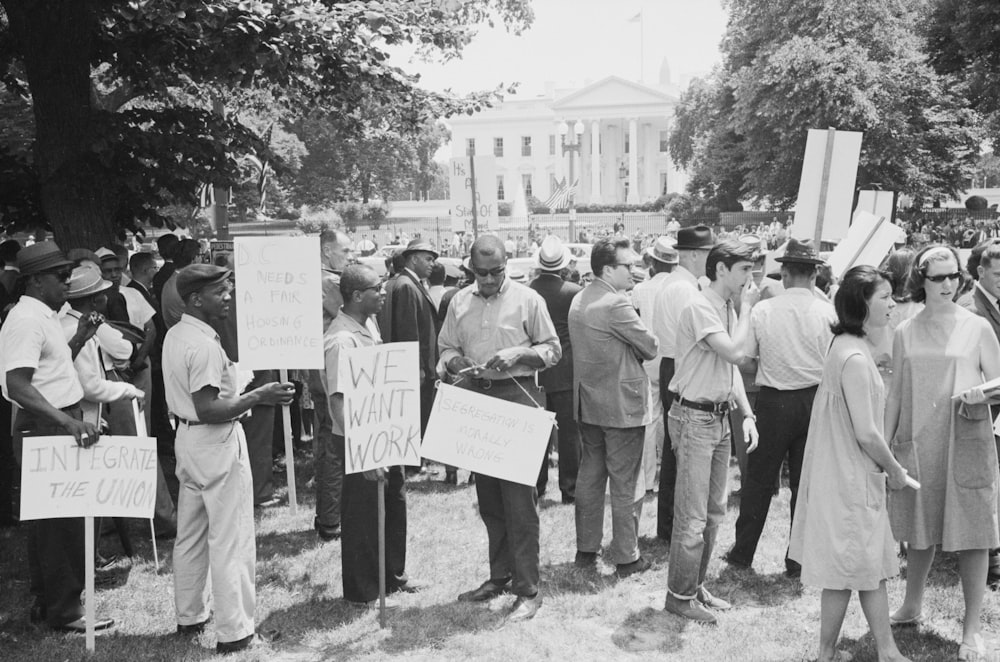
(470, 146)
(498, 147)
(552, 144)
(500, 193)
(627, 143)
(526, 184)
(663, 183)
(664, 141)
(525, 145)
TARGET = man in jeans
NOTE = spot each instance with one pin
(709, 345)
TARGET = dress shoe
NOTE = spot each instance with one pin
(585, 560)
(524, 608)
(102, 563)
(628, 569)
(712, 602)
(250, 641)
(487, 591)
(689, 609)
(268, 503)
(327, 533)
(192, 629)
(735, 562)
(568, 498)
(451, 477)
(407, 586)
(79, 626)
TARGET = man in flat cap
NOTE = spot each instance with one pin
(215, 528)
(409, 315)
(36, 366)
(790, 335)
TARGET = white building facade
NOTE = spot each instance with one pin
(621, 156)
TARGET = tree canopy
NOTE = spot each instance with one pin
(793, 65)
(125, 94)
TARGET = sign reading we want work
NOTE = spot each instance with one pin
(381, 405)
(114, 478)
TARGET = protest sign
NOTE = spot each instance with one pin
(487, 435)
(114, 478)
(868, 241)
(279, 303)
(381, 387)
(826, 188)
(461, 182)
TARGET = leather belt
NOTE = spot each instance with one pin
(193, 423)
(713, 407)
(487, 384)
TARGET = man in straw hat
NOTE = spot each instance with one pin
(550, 260)
(38, 375)
(790, 335)
(663, 258)
(215, 528)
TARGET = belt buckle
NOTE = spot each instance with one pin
(486, 384)
(720, 407)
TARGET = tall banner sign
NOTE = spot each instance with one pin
(279, 303)
(826, 189)
(462, 181)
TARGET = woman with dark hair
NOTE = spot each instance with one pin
(840, 532)
(940, 428)
(897, 266)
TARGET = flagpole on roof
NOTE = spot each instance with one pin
(640, 19)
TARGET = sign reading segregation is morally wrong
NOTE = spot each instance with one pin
(381, 387)
(279, 303)
(114, 478)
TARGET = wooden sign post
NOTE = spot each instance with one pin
(826, 188)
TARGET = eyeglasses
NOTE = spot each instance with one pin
(496, 273)
(627, 265)
(940, 278)
(63, 275)
(377, 288)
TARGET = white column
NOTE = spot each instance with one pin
(595, 161)
(633, 162)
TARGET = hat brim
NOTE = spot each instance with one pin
(689, 247)
(800, 260)
(563, 263)
(98, 287)
(407, 251)
(652, 255)
(49, 268)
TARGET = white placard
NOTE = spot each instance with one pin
(868, 241)
(487, 435)
(279, 303)
(116, 477)
(878, 203)
(843, 173)
(460, 187)
(381, 387)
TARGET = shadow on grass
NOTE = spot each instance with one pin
(435, 486)
(562, 578)
(286, 543)
(746, 587)
(115, 577)
(33, 643)
(920, 645)
(650, 630)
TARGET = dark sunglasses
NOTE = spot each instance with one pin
(63, 274)
(496, 273)
(940, 278)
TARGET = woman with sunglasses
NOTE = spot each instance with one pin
(939, 422)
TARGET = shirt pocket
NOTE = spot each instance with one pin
(876, 490)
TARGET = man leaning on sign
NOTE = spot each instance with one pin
(38, 374)
(496, 336)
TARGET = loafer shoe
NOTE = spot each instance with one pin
(487, 591)
(79, 626)
(524, 608)
(628, 569)
(327, 533)
(585, 560)
(689, 609)
(712, 602)
(251, 641)
(192, 629)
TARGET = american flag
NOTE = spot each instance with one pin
(561, 195)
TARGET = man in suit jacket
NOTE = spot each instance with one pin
(409, 315)
(558, 294)
(610, 390)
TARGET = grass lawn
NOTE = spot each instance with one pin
(586, 616)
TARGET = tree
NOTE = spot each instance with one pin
(963, 40)
(793, 65)
(122, 91)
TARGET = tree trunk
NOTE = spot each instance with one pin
(55, 39)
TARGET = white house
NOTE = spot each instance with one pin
(621, 154)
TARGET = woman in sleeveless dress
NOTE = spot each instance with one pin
(840, 532)
(940, 428)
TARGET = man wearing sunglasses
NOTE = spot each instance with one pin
(38, 374)
(496, 336)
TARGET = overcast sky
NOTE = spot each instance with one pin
(573, 41)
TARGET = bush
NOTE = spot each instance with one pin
(351, 213)
(314, 221)
(503, 208)
(375, 214)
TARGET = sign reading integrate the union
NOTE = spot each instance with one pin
(114, 478)
(487, 435)
(381, 387)
(279, 303)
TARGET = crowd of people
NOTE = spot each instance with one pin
(675, 355)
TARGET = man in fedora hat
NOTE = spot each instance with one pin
(551, 259)
(790, 335)
(409, 315)
(692, 246)
(663, 258)
(610, 397)
(37, 374)
(215, 529)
